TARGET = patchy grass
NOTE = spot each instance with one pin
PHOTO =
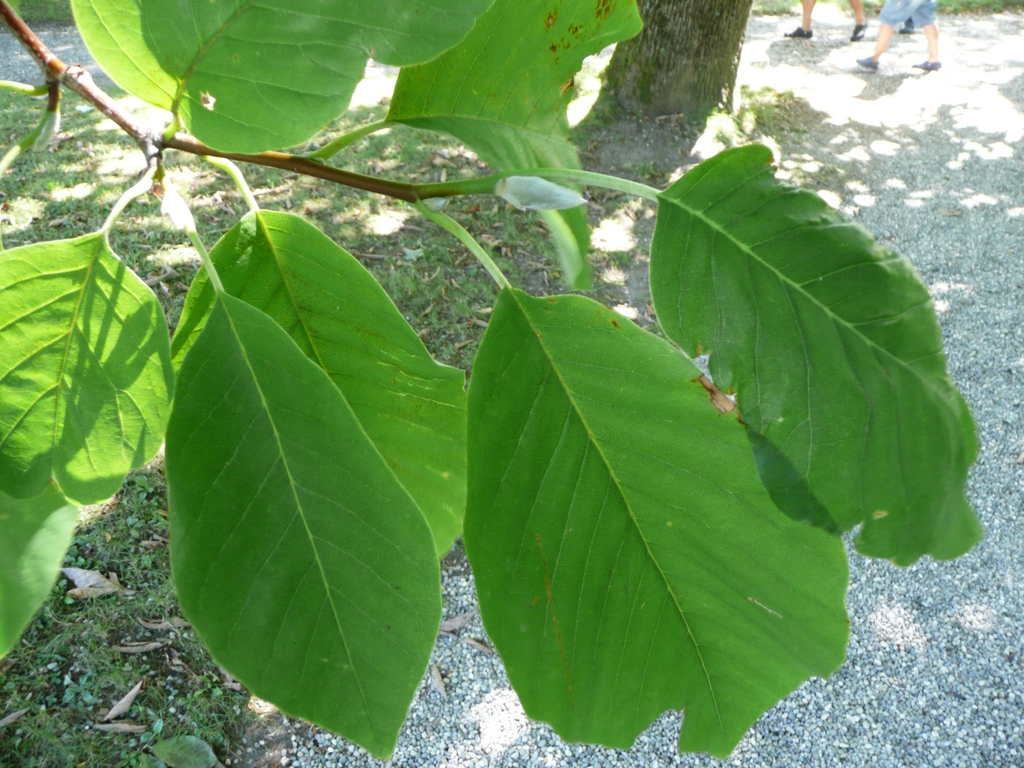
(65, 669)
(45, 10)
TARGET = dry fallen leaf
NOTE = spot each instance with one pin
(162, 626)
(174, 660)
(478, 645)
(452, 626)
(229, 681)
(124, 704)
(138, 647)
(93, 584)
(5, 664)
(13, 717)
(121, 727)
(437, 682)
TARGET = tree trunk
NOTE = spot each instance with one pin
(684, 61)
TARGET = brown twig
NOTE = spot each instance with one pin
(298, 164)
(78, 80)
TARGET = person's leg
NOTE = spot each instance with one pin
(931, 33)
(924, 17)
(885, 33)
(858, 11)
(804, 30)
(862, 21)
(808, 7)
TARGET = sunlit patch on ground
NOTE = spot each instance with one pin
(894, 624)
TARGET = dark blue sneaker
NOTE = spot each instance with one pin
(929, 66)
(868, 63)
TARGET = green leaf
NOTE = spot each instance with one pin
(627, 558)
(34, 535)
(247, 76)
(185, 752)
(303, 564)
(506, 98)
(833, 348)
(85, 370)
(413, 409)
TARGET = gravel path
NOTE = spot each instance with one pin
(935, 667)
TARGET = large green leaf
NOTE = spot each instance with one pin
(413, 409)
(34, 535)
(249, 76)
(833, 348)
(85, 370)
(626, 556)
(504, 89)
(304, 565)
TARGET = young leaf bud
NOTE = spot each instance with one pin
(174, 208)
(436, 203)
(536, 194)
(51, 125)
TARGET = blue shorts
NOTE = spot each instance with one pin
(896, 12)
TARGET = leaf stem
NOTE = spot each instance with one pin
(334, 147)
(235, 173)
(204, 254)
(447, 222)
(23, 88)
(141, 187)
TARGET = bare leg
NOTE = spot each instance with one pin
(885, 37)
(858, 11)
(808, 7)
(931, 32)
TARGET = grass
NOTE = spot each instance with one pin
(34, 11)
(65, 669)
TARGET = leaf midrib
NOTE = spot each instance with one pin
(302, 515)
(632, 516)
(100, 242)
(928, 381)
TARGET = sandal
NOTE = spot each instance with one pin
(800, 32)
(858, 32)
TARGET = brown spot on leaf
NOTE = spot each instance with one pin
(566, 86)
(604, 9)
(879, 514)
(551, 19)
(722, 402)
(207, 100)
(615, 323)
